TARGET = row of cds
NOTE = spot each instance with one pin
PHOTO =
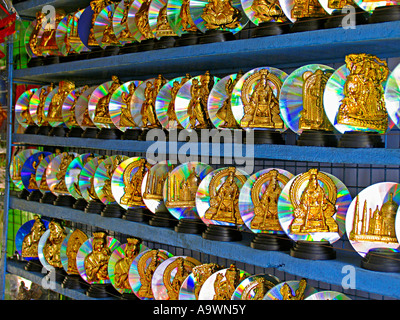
(313, 97)
(136, 271)
(313, 206)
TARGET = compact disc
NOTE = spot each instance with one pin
(120, 22)
(73, 35)
(158, 19)
(103, 28)
(41, 181)
(327, 295)
(291, 7)
(86, 178)
(28, 171)
(259, 11)
(55, 173)
(69, 105)
(69, 249)
(36, 104)
(22, 108)
(290, 290)
(392, 96)
(53, 107)
(137, 101)
(62, 36)
(255, 287)
(180, 20)
(17, 163)
(138, 20)
(81, 109)
(370, 6)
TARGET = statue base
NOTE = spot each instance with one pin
(90, 133)
(24, 194)
(307, 24)
(35, 195)
(31, 129)
(75, 132)
(129, 296)
(72, 281)
(58, 131)
(267, 137)
(34, 266)
(108, 133)
(64, 201)
(35, 62)
(271, 242)
(164, 42)
(222, 233)
(113, 210)
(187, 39)
(48, 197)
(80, 204)
(137, 215)
(129, 48)
(386, 13)
(317, 138)
(336, 18)
(97, 290)
(381, 259)
(163, 219)
(51, 60)
(146, 45)
(111, 51)
(191, 226)
(44, 130)
(56, 274)
(211, 36)
(131, 134)
(270, 29)
(313, 250)
(358, 139)
(94, 206)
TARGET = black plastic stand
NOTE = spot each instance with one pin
(57, 274)
(187, 39)
(307, 24)
(267, 137)
(137, 215)
(31, 129)
(80, 204)
(355, 139)
(191, 226)
(129, 296)
(270, 29)
(48, 197)
(113, 210)
(90, 133)
(163, 219)
(222, 233)
(36, 62)
(34, 266)
(108, 133)
(94, 206)
(58, 131)
(146, 45)
(211, 36)
(44, 130)
(24, 194)
(381, 259)
(271, 242)
(386, 13)
(72, 281)
(313, 250)
(98, 290)
(317, 138)
(129, 48)
(131, 134)
(75, 132)
(35, 195)
(64, 201)
(164, 42)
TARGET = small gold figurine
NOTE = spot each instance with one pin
(73, 36)
(17, 168)
(201, 273)
(122, 266)
(47, 41)
(313, 208)
(32, 180)
(125, 34)
(171, 106)
(148, 111)
(31, 240)
(34, 37)
(256, 289)
(339, 4)
(76, 239)
(102, 114)
(72, 119)
(142, 20)
(363, 104)
(267, 11)
(55, 107)
(96, 262)
(221, 14)
(133, 182)
(126, 119)
(224, 286)
(287, 294)
(44, 92)
(109, 37)
(182, 193)
(96, 6)
(155, 186)
(163, 28)
(110, 168)
(51, 249)
(186, 19)
(62, 169)
(307, 9)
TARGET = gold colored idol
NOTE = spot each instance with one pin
(126, 119)
(313, 116)
(142, 20)
(256, 289)
(122, 266)
(313, 207)
(224, 201)
(44, 92)
(307, 9)
(62, 169)
(364, 105)
(146, 271)
(163, 28)
(32, 179)
(221, 14)
(377, 225)
(339, 4)
(110, 168)
(182, 193)
(97, 6)
(109, 37)
(55, 107)
(201, 273)
(17, 168)
(47, 41)
(266, 205)
(224, 288)
(73, 36)
(125, 34)
(91, 190)
(76, 239)
(148, 110)
(171, 106)
(31, 240)
(96, 262)
(155, 186)
(286, 291)
(26, 117)
(261, 105)
(34, 37)
(102, 114)
(76, 183)
(267, 11)
(186, 19)
(52, 247)
(71, 118)
(133, 182)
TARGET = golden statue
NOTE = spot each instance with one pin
(377, 226)
(73, 36)
(44, 92)
(256, 289)
(52, 247)
(224, 286)
(307, 9)
(91, 190)
(225, 112)
(266, 10)
(261, 105)
(26, 117)
(266, 204)
(312, 116)
(146, 270)
(148, 111)
(96, 262)
(31, 240)
(315, 207)
(109, 37)
(76, 239)
(71, 118)
(125, 34)
(182, 193)
(33, 38)
(126, 119)
(32, 180)
(54, 112)
(142, 20)
(47, 41)
(224, 201)
(201, 273)
(122, 266)
(163, 28)
(155, 186)
(363, 105)
(186, 19)
(221, 14)
(60, 175)
(287, 293)
(110, 168)
(86, 120)
(101, 114)
(171, 106)
(339, 4)
(97, 6)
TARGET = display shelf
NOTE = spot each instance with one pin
(282, 51)
(30, 7)
(330, 271)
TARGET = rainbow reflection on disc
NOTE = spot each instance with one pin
(81, 109)
(258, 200)
(288, 7)
(27, 37)
(180, 189)
(28, 172)
(137, 101)
(69, 105)
(103, 28)
(17, 163)
(62, 36)
(179, 18)
(309, 79)
(86, 249)
(251, 287)
(55, 173)
(142, 270)
(392, 96)
(260, 11)
(69, 248)
(86, 178)
(52, 111)
(370, 6)
(120, 23)
(218, 195)
(275, 292)
(22, 108)
(132, 19)
(327, 295)
(158, 19)
(73, 36)
(41, 181)
(286, 207)
(36, 104)
(120, 106)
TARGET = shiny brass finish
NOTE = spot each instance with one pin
(142, 20)
(307, 9)
(102, 114)
(148, 111)
(47, 41)
(51, 249)
(201, 273)
(221, 14)
(186, 19)
(109, 37)
(126, 119)
(44, 92)
(32, 179)
(76, 239)
(31, 240)
(62, 169)
(224, 286)
(55, 107)
(72, 119)
(133, 182)
(256, 289)
(122, 266)
(171, 106)
(267, 11)
(96, 262)
(107, 182)
(97, 6)
(182, 193)
(287, 294)
(163, 28)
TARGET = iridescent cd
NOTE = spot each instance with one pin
(96, 252)
(219, 103)
(169, 276)
(120, 22)
(86, 178)
(228, 16)
(153, 186)
(192, 95)
(289, 9)
(327, 295)
(103, 28)
(74, 170)
(370, 6)
(217, 198)
(259, 11)
(218, 285)
(28, 172)
(392, 95)
(103, 176)
(55, 173)
(36, 104)
(17, 163)
(120, 106)
(69, 249)
(165, 103)
(137, 101)
(313, 206)
(28, 237)
(331, 6)
(41, 181)
(53, 107)
(333, 97)
(120, 263)
(301, 98)
(28, 37)
(258, 200)
(248, 107)
(73, 36)
(62, 36)
(85, 26)
(255, 287)
(180, 20)
(180, 189)
(69, 105)
(371, 218)
(138, 20)
(290, 290)
(81, 109)
(22, 108)
(158, 19)
(142, 270)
